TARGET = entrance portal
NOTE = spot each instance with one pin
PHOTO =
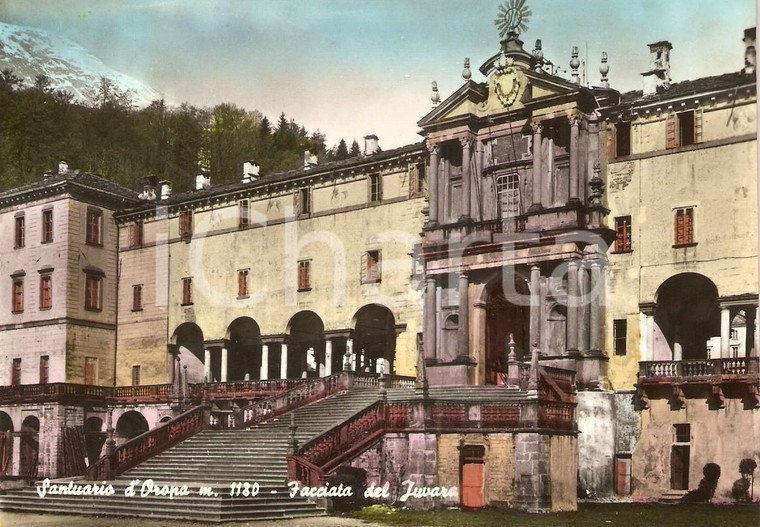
(503, 319)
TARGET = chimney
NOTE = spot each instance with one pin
(370, 145)
(750, 54)
(48, 174)
(658, 76)
(166, 189)
(149, 184)
(202, 182)
(309, 160)
(63, 167)
(250, 171)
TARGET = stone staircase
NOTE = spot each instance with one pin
(215, 459)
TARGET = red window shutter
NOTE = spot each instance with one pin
(697, 126)
(671, 131)
(688, 229)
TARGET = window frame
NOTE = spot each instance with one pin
(304, 275)
(304, 201)
(375, 188)
(94, 227)
(17, 295)
(44, 369)
(620, 342)
(243, 275)
(19, 235)
(373, 267)
(95, 279)
(91, 361)
(16, 371)
(623, 235)
(136, 234)
(186, 224)
(135, 375)
(244, 213)
(46, 284)
(47, 226)
(187, 291)
(137, 297)
(684, 227)
(508, 184)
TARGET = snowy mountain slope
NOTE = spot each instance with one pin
(31, 52)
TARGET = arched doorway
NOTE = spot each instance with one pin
(687, 316)
(6, 442)
(94, 437)
(244, 350)
(30, 447)
(503, 318)
(306, 345)
(189, 339)
(374, 338)
(130, 425)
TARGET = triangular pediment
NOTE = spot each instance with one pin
(464, 101)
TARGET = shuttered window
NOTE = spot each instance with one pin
(304, 275)
(94, 234)
(17, 300)
(20, 232)
(47, 226)
(187, 291)
(683, 129)
(44, 369)
(186, 224)
(46, 292)
(623, 234)
(243, 214)
(93, 292)
(683, 226)
(137, 300)
(243, 283)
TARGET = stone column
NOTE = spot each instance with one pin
(464, 316)
(430, 319)
(595, 328)
(284, 360)
(433, 184)
(725, 332)
(537, 170)
(573, 307)
(206, 365)
(757, 333)
(328, 357)
(535, 307)
(650, 336)
(224, 364)
(466, 178)
(574, 159)
(264, 373)
(583, 318)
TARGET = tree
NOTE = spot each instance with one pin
(341, 152)
(355, 151)
(9, 81)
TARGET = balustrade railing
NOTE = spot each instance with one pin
(696, 369)
(279, 404)
(243, 389)
(148, 444)
(555, 415)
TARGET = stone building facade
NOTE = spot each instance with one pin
(612, 235)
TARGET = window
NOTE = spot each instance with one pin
(46, 291)
(243, 215)
(136, 231)
(683, 129)
(622, 139)
(186, 224)
(375, 188)
(94, 234)
(243, 283)
(137, 297)
(683, 226)
(372, 267)
(16, 372)
(620, 334)
(508, 190)
(44, 369)
(187, 291)
(47, 226)
(304, 279)
(91, 370)
(417, 180)
(734, 352)
(136, 375)
(734, 334)
(304, 201)
(17, 301)
(20, 232)
(93, 292)
(682, 433)
(623, 234)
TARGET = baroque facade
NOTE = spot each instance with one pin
(575, 260)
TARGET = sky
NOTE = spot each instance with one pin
(353, 68)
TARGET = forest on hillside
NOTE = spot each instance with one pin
(107, 136)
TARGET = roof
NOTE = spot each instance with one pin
(108, 191)
(280, 177)
(695, 87)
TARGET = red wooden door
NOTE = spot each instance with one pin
(621, 476)
(472, 485)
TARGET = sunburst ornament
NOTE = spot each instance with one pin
(513, 17)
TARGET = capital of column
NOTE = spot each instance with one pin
(433, 148)
(537, 128)
(575, 120)
(466, 141)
